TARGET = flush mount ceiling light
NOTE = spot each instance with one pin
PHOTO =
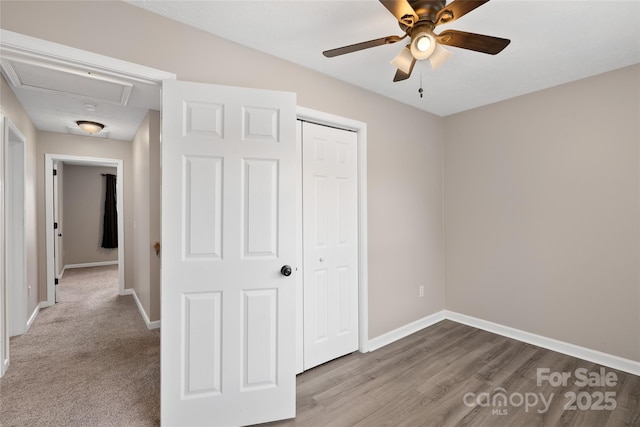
(90, 127)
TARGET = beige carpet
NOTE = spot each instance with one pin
(87, 361)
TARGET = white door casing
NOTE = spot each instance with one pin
(15, 228)
(4, 302)
(330, 224)
(50, 236)
(228, 226)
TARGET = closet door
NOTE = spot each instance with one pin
(330, 243)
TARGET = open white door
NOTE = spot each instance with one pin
(228, 227)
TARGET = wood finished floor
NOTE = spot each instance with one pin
(422, 380)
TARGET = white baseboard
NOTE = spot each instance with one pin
(594, 356)
(89, 264)
(150, 325)
(406, 330)
(33, 317)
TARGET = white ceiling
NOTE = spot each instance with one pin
(55, 95)
(552, 42)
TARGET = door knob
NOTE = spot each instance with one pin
(285, 270)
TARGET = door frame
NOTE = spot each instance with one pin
(17, 291)
(22, 45)
(327, 119)
(50, 159)
(4, 306)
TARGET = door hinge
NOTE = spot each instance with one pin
(55, 225)
(55, 172)
(56, 281)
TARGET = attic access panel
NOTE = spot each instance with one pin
(50, 77)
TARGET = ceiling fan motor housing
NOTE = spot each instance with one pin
(426, 11)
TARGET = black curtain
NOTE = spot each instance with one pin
(110, 227)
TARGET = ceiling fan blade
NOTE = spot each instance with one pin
(471, 41)
(457, 9)
(361, 46)
(402, 10)
(401, 75)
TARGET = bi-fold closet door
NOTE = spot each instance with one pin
(330, 242)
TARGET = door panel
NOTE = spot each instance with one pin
(228, 226)
(203, 343)
(203, 209)
(330, 224)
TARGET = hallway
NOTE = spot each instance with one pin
(88, 360)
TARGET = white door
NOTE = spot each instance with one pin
(330, 230)
(228, 227)
(57, 227)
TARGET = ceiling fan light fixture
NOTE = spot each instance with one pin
(89, 126)
(439, 56)
(404, 60)
(423, 43)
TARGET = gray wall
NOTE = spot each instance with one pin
(84, 190)
(146, 208)
(542, 213)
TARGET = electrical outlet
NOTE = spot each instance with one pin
(421, 291)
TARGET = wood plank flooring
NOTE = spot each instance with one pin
(455, 375)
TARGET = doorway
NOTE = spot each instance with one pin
(37, 51)
(52, 231)
(359, 129)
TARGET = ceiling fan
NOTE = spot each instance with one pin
(418, 18)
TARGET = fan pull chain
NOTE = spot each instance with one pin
(420, 91)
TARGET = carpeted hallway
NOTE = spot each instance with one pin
(87, 361)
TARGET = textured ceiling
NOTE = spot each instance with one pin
(552, 42)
